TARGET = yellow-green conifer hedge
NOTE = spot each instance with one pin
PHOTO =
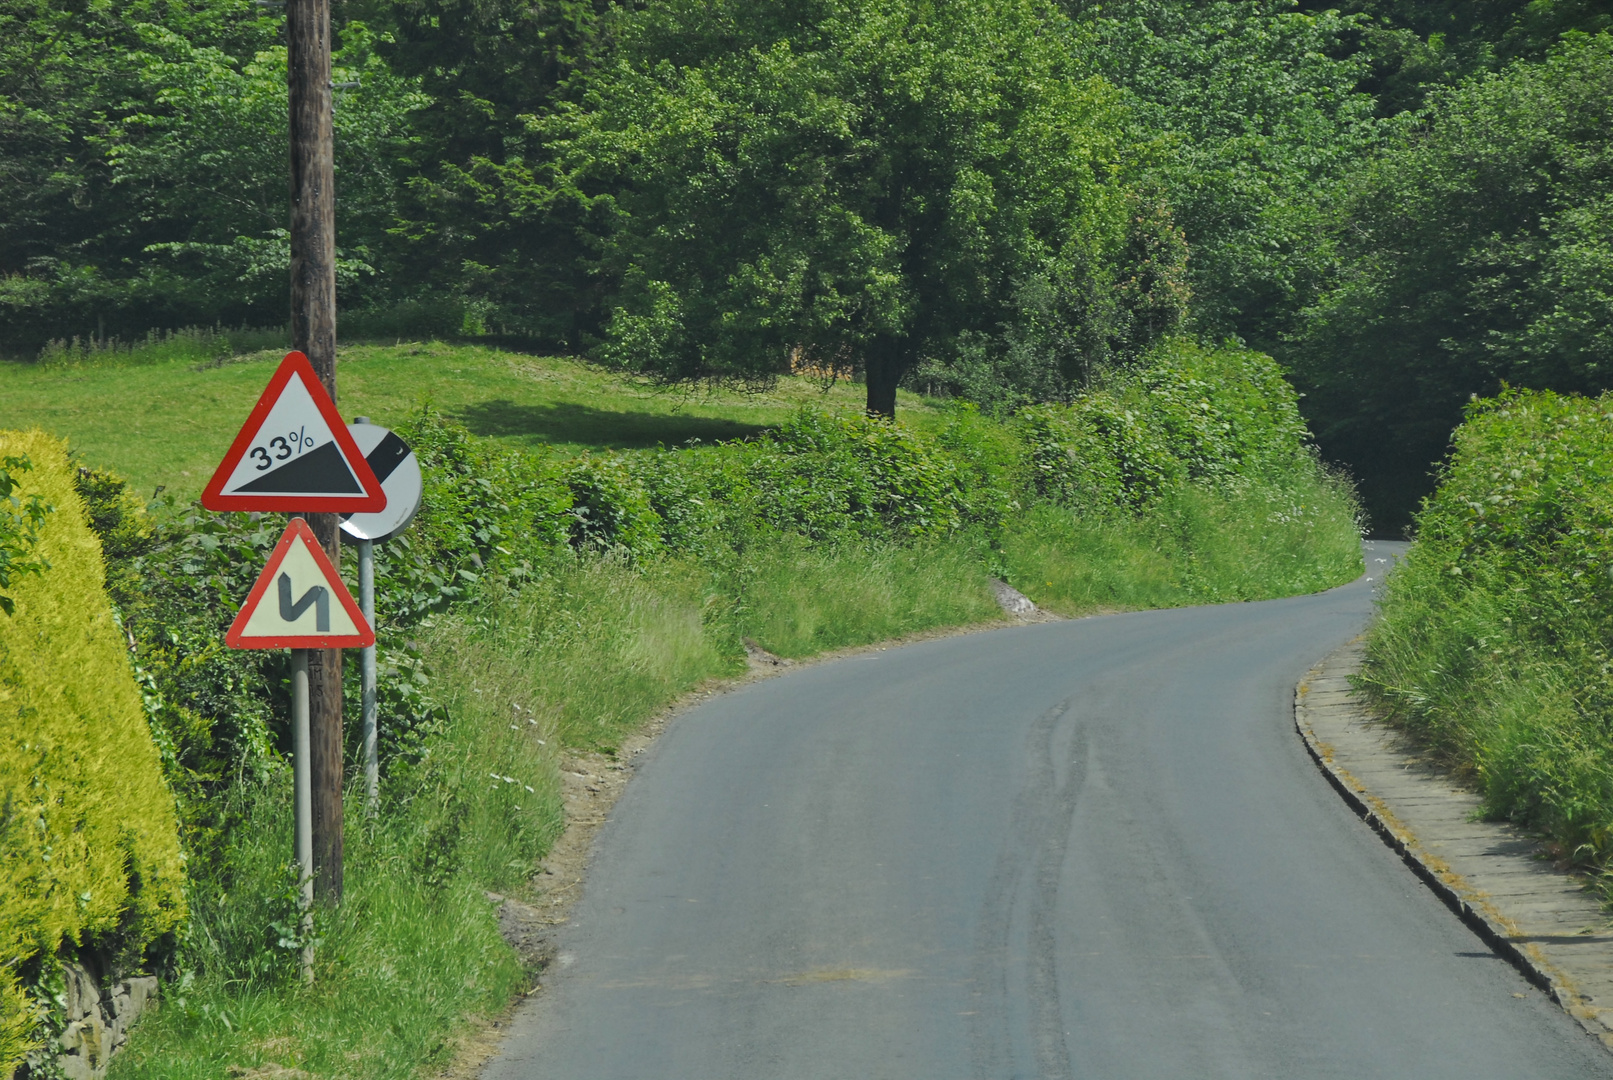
(89, 845)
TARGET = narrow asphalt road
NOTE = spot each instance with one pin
(1085, 849)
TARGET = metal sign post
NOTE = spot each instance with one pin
(295, 454)
(394, 465)
(366, 603)
(303, 797)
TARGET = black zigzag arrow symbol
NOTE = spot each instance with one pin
(319, 596)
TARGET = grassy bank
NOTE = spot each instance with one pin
(164, 415)
(545, 604)
(1492, 648)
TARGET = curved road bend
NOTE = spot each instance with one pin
(1086, 849)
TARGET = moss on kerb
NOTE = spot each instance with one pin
(89, 847)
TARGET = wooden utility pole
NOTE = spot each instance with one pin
(313, 331)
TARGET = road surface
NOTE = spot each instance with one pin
(1091, 849)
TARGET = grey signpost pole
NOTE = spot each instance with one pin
(366, 601)
(303, 793)
(395, 466)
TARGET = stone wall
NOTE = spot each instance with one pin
(98, 1019)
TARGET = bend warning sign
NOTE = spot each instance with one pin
(299, 601)
(294, 453)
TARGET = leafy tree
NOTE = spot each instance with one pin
(850, 184)
(482, 216)
(1417, 45)
(1478, 251)
(1256, 115)
(205, 169)
(142, 160)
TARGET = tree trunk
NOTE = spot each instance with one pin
(887, 360)
(313, 331)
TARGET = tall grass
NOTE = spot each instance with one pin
(1245, 541)
(796, 600)
(1492, 644)
(197, 345)
(585, 655)
(402, 962)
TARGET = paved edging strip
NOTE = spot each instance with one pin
(1544, 921)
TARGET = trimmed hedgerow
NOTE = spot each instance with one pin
(89, 847)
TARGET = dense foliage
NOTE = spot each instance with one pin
(89, 846)
(19, 527)
(991, 201)
(1494, 640)
(1478, 252)
(864, 184)
(142, 156)
(1254, 115)
(1415, 46)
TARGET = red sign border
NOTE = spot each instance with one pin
(295, 364)
(295, 529)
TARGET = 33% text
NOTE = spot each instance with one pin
(284, 446)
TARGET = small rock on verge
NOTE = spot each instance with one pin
(1011, 600)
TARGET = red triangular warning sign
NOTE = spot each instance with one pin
(294, 453)
(299, 601)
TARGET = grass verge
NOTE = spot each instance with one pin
(1492, 645)
(1198, 546)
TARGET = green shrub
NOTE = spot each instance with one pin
(823, 475)
(89, 848)
(1188, 414)
(19, 527)
(610, 509)
(1221, 412)
(1493, 642)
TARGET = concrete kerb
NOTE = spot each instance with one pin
(1391, 787)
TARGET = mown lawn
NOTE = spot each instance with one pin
(168, 423)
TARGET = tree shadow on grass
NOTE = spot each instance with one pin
(566, 422)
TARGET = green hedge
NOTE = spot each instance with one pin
(89, 851)
(1495, 644)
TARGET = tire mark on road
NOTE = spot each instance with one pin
(1021, 908)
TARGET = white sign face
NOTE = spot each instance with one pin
(299, 601)
(294, 453)
(394, 464)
